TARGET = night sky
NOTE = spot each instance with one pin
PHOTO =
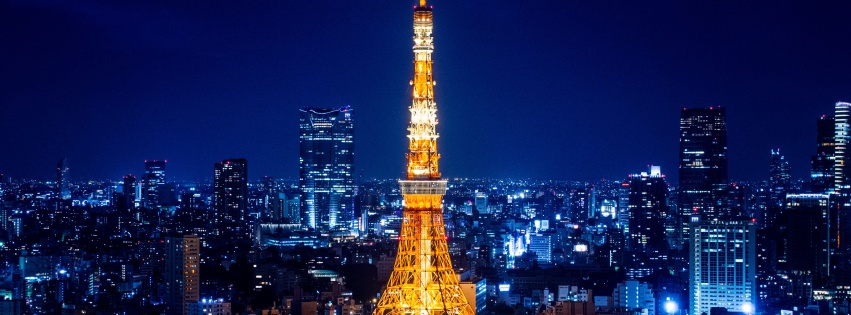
(525, 89)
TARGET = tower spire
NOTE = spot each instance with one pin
(422, 135)
(423, 281)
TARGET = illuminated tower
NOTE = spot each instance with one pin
(840, 138)
(422, 281)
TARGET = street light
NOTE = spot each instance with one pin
(747, 307)
(671, 307)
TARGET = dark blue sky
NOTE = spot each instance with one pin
(541, 89)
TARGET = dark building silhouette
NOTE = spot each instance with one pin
(230, 189)
(648, 209)
(62, 190)
(153, 183)
(326, 166)
(578, 202)
(805, 231)
(821, 177)
(129, 188)
(703, 164)
(779, 182)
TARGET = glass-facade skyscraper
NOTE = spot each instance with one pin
(821, 177)
(703, 164)
(326, 166)
(153, 182)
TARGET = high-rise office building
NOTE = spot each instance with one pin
(152, 183)
(578, 204)
(422, 281)
(780, 178)
(623, 207)
(542, 245)
(842, 111)
(129, 188)
(182, 272)
(842, 189)
(703, 164)
(326, 167)
(648, 208)
(779, 182)
(806, 226)
(230, 189)
(62, 190)
(822, 175)
(722, 260)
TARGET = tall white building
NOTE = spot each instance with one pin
(842, 113)
(723, 266)
(632, 294)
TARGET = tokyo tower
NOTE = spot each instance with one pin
(422, 281)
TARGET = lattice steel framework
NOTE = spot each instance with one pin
(423, 281)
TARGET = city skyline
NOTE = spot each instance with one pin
(588, 91)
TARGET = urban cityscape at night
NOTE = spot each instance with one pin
(596, 158)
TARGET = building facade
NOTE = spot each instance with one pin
(326, 167)
(230, 189)
(703, 164)
(129, 188)
(632, 294)
(153, 183)
(842, 112)
(822, 174)
(722, 259)
(808, 225)
(182, 273)
(648, 208)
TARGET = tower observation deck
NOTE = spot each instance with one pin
(423, 281)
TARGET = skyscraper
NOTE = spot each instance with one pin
(842, 111)
(822, 175)
(648, 208)
(152, 183)
(326, 166)
(722, 264)
(779, 180)
(182, 272)
(62, 190)
(230, 189)
(422, 281)
(703, 163)
(129, 188)
(842, 188)
(806, 233)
